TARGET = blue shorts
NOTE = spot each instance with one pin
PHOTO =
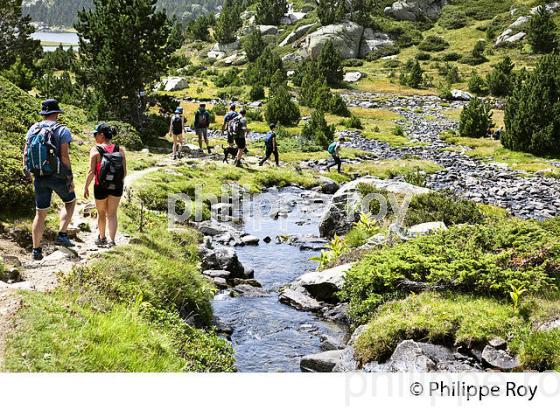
(44, 187)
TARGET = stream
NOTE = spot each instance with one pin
(269, 336)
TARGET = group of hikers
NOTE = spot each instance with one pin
(46, 158)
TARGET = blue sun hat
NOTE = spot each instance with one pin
(49, 107)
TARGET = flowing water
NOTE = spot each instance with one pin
(269, 336)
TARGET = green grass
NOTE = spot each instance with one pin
(431, 317)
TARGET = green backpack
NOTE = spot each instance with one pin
(332, 148)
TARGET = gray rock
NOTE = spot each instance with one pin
(516, 37)
(328, 186)
(296, 34)
(268, 30)
(346, 38)
(499, 359)
(222, 258)
(220, 51)
(347, 363)
(323, 362)
(12, 260)
(352, 76)
(549, 325)
(217, 274)
(461, 95)
(174, 84)
(220, 283)
(550, 7)
(425, 229)
(298, 298)
(324, 285)
(292, 17)
(372, 41)
(250, 291)
(10, 275)
(498, 343)
(414, 10)
(520, 21)
(331, 343)
(250, 240)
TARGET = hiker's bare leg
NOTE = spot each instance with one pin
(66, 214)
(174, 145)
(101, 217)
(39, 226)
(112, 221)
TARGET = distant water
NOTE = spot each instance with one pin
(67, 39)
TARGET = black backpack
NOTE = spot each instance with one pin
(177, 125)
(234, 126)
(111, 172)
(203, 119)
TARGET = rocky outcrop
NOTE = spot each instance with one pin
(220, 51)
(508, 36)
(461, 95)
(550, 7)
(174, 84)
(299, 298)
(222, 258)
(323, 362)
(499, 359)
(346, 37)
(353, 76)
(414, 10)
(296, 34)
(346, 204)
(425, 229)
(328, 186)
(372, 41)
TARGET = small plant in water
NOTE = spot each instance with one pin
(336, 247)
(515, 295)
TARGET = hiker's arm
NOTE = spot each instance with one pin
(123, 152)
(91, 173)
(25, 170)
(65, 156)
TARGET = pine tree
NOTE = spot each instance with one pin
(500, 79)
(15, 36)
(532, 115)
(228, 22)
(476, 119)
(198, 29)
(271, 11)
(331, 11)
(264, 68)
(412, 74)
(330, 64)
(318, 131)
(542, 32)
(477, 84)
(281, 109)
(253, 44)
(124, 49)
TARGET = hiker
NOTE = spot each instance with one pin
(177, 129)
(47, 156)
(270, 146)
(225, 126)
(201, 124)
(334, 150)
(497, 135)
(108, 168)
(238, 127)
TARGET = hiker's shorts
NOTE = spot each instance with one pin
(202, 133)
(45, 186)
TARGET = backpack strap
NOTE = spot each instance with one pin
(100, 150)
(117, 148)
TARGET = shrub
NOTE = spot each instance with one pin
(542, 33)
(452, 19)
(253, 45)
(220, 108)
(500, 80)
(126, 135)
(476, 119)
(433, 43)
(477, 259)
(271, 11)
(451, 56)
(421, 56)
(16, 193)
(532, 115)
(352, 122)
(412, 74)
(317, 130)
(281, 109)
(383, 51)
(476, 56)
(230, 77)
(264, 68)
(353, 62)
(337, 106)
(445, 207)
(257, 93)
(447, 319)
(453, 76)
(254, 115)
(477, 85)
(330, 64)
(539, 350)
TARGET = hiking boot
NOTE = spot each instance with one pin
(101, 242)
(209, 150)
(63, 240)
(111, 244)
(238, 164)
(37, 254)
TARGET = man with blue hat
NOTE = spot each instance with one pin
(177, 129)
(47, 157)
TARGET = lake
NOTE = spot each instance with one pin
(51, 39)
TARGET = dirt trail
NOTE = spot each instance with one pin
(42, 276)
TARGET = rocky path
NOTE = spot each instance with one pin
(524, 195)
(42, 276)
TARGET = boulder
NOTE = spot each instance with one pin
(250, 240)
(353, 76)
(425, 229)
(324, 285)
(220, 51)
(323, 362)
(461, 95)
(214, 228)
(293, 58)
(249, 291)
(330, 343)
(508, 37)
(217, 274)
(328, 186)
(346, 37)
(268, 30)
(498, 343)
(10, 275)
(222, 258)
(520, 21)
(296, 34)
(516, 37)
(550, 7)
(548, 325)
(292, 17)
(298, 298)
(414, 10)
(499, 359)
(174, 84)
(372, 41)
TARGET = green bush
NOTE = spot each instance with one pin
(477, 85)
(532, 115)
(433, 43)
(257, 93)
(539, 350)
(317, 130)
(383, 51)
(445, 207)
(476, 119)
(254, 114)
(445, 319)
(281, 109)
(500, 80)
(452, 19)
(220, 108)
(16, 193)
(451, 56)
(126, 135)
(478, 259)
(476, 57)
(352, 122)
(412, 74)
(421, 56)
(543, 32)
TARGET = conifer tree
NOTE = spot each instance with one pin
(271, 11)
(542, 33)
(330, 64)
